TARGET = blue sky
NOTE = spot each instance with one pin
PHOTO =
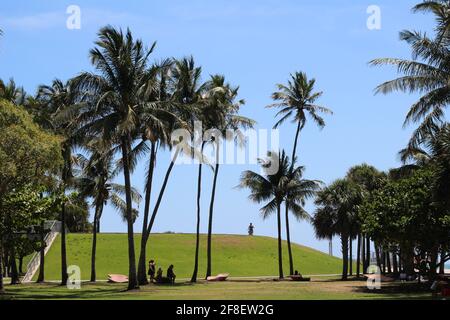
(255, 44)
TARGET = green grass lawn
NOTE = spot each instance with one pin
(237, 255)
(318, 289)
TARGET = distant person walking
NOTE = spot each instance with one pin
(151, 270)
(251, 228)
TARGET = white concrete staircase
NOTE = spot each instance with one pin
(33, 265)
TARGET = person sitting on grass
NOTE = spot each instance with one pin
(170, 274)
(159, 276)
(151, 270)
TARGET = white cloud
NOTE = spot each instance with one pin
(32, 22)
(57, 19)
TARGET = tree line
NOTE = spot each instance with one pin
(62, 149)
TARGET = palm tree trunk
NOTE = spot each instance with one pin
(288, 238)
(344, 244)
(98, 210)
(160, 196)
(21, 265)
(2, 288)
(14, 271)
(197, 237)
(64, 275)
(394, 263)
(358, 256)
(280, 253)
(388, 262)
(294, 149)
(434, 253)
(41, 277)
(210, 219)
(351, 256)
(442, 263)
(368, 251)
(132, 276)
(142, 272)
(363, 253)
(377, 254)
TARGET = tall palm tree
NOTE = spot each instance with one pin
(223, 98)
(56, 99)
(299, 191)
(297, 100)
(182, 92)
(270, 189)
(335, 215)
(96, 181)
(426, 73)
(157, 117)
(115, 97)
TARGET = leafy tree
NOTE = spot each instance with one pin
(27, 153)
(403, 212)
(21, 208)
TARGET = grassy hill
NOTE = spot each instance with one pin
(234, 254)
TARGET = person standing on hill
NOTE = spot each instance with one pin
(251, 227)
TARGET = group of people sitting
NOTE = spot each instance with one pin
(157, 276)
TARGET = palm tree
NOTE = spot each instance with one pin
(182, 91)
(115, 98)
(96, 181)
(335, 215)
(441, 11)
(156, 119)
(222, 97)
(12, 93)
(427, 73)
(368, 179)
(56, 99)
(297, 99)
(299, 191)
(270, 189)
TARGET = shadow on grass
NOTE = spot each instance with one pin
(399, 290)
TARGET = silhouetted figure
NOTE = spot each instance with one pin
(170, 274)
(159, 276)
(151, 270)
(251, 227)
